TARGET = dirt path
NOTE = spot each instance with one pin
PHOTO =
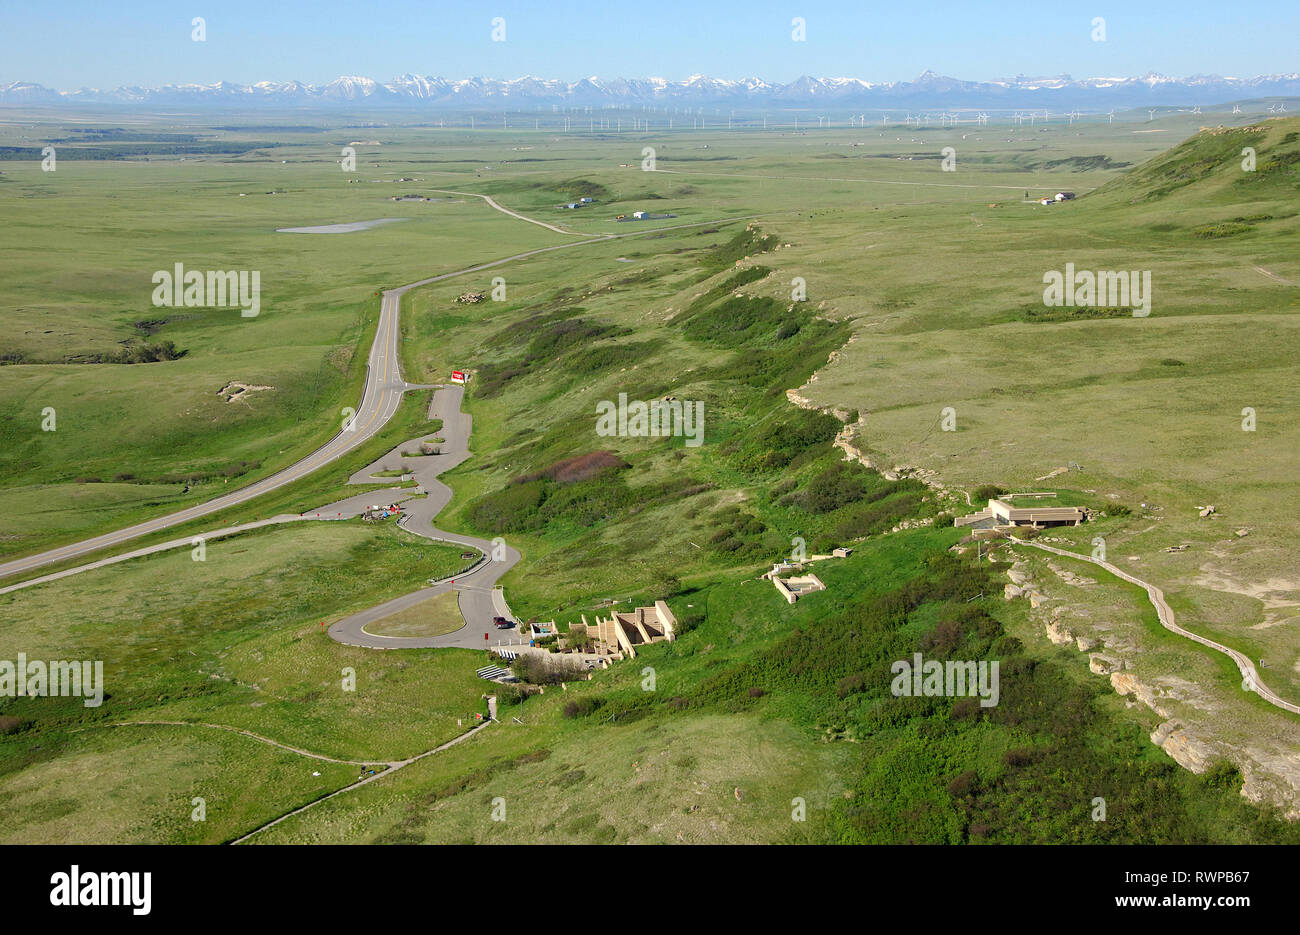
(392, 768)
(249, 733)
(1166, 614)
(1273, 276)
(513, 214)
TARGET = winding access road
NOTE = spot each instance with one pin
(479, 598)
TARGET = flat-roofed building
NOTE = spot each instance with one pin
(1007, 514)
(1007, 511)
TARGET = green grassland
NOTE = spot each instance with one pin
(189, 641)
(922, 287)
(434, 617)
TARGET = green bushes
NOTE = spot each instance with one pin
(746, 243)
(128, 353)
(741, 536)
(583, 706)
(870, 518)
(608, 356)
(544, 503)
(838, 485)
(1223, 774)
(1054, 313)
(777, 443)
(1225, 229)
(740, 320)
(508, 509)
(742, 278)
(550, 337)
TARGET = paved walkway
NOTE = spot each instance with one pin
(1166, 614)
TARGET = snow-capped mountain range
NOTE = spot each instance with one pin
(527, 93)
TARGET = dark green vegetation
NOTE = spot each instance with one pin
(131, 352)
(937, 769)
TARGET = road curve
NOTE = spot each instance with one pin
(479, 597)
(1166, 615)
(514, 214)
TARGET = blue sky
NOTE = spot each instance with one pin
(103, 43)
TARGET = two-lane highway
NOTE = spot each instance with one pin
(379, 401)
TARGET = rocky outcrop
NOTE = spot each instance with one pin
(1058, 634)
(235, 390)
(1069, 577)
(803, 402)
(1102, 664)
(1188, 750)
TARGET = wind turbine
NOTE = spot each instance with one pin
(1151, 115)
(1281, 108)
(1111, 117)
(1196, 110)
(1236, 108)
(983, 119)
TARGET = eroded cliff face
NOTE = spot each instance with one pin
(1190, 729)
(1190, 715)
